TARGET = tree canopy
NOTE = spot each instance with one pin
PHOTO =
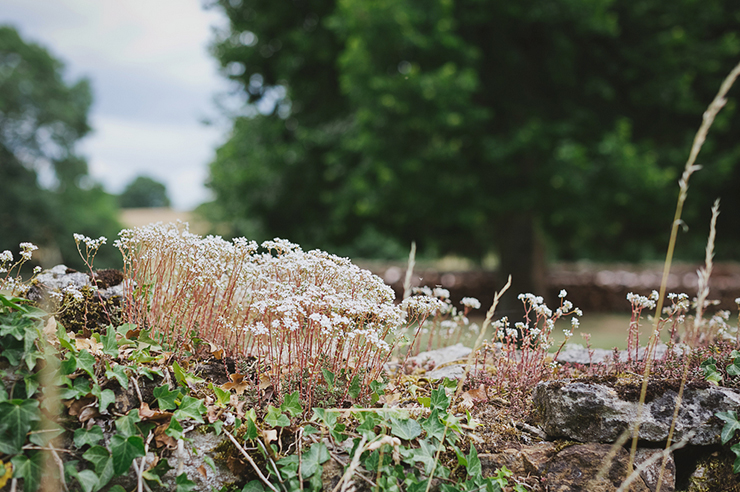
(42, 116)
(474, 126)
(144, 192)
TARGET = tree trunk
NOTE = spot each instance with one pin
(522, 255)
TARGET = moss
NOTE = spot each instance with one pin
(714, 472)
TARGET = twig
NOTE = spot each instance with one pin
(138, 391)
(59, 463)
(351, 468)
(251, 461)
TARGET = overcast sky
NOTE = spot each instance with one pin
(153, 83)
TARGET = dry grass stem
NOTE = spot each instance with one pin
(707, 119)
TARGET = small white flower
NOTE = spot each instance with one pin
(563, 293)
(6, 256)
(575, 323)
(470, 302)
(568, 333)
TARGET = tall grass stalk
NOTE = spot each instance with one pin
(707, 119)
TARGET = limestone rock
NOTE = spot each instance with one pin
(651, 473)
(590, 412)
(576, 468)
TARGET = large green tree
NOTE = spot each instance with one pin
(42, 116)
(475, 125)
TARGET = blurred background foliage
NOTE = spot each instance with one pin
(532, 130)
(144, 192)
(42, 116)
(527, 131)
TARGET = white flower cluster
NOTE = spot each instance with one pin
(641, 302)
(470, 302)
(280, 300)
(89, 242)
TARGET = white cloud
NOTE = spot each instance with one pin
(170, 153)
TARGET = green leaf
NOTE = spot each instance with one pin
(407, 429)
(69, 365)
(117, 372)
(433, 426)
(329, 378)
(354, 388)
(254, 486)
(251, 430)
(474, 466)
(292, 404)
(87, 479)
(110, 344)
(440, 400)
(105, 397)
(731, 425)
(17, 416)
(124, 451)
(29, 469)
(425, 454)
(222, 396)
(126, 425)
(275, 418)
(183, 378)
(83, 437)
(166, 398)
(312, 460)
(191, 408)
(174, 430)
(86, 362)
(735, 448)
(734, 368)
(78, 388)
(183, 484)
(288, 466)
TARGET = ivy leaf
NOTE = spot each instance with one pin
(439, 399)
(77, 389)
(105, 397)
(86, 362)
(126, 425)
(16, 416)
(292, 404)
(407, 429)
(425, 454)
(174, 430)
(732, 424)
(329, 378)
(183, 484)
(166, 398)
(251, 430)
(254, 486)
(354, 388)
(110, 344)
(30, 469)
(91, 437)
(87, 479)
(474, 466)
(117, 372)
(185, 378)
(275, 418)
(222, 396)
(191, 408)
(124, 451)
(433, 427)
(312, 460)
